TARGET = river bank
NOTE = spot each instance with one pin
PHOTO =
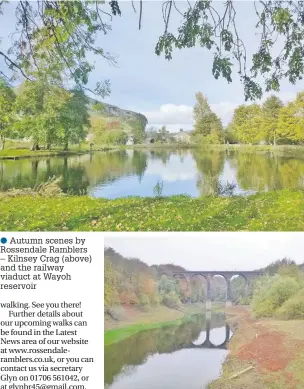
(26, 152)
(14, 154)
(271, 350)
(133, 320)
(281, 210)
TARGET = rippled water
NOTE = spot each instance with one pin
(135, 173)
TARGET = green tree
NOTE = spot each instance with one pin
(274, 267)
(229, 134)
(164, 133)
(138, 131)
(206, 122)
(39, 108)
(98, 128)
(291, 122)
(60, 34)
(271, 293)
(7, 100)
(271, 109)
(247, 124)
(115, 137)
(65, 32)
(167, 285)
(74, 119)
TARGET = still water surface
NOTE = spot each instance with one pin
(135, 173)
(176, 357)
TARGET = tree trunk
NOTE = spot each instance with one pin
(3, 142)
(274, 139)
(35, 147)
(48, 146)
(66, 146)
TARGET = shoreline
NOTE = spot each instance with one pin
(263, 354)
(46, 154)
(16, 154)
(155, 317)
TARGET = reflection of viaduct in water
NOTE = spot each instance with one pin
(207, 343)
(227, 275)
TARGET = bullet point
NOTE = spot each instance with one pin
(3, 240)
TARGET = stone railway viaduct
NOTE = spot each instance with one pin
(248, 276)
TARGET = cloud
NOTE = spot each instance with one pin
(181, 116)
(172, 115)
(178, 169)
(211, 250)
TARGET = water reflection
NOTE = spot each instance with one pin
(135, 173)
(151, 359)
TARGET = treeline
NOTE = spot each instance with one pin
(44, 112)
(271, 123)
(280, 292)
(48, 115)
(131, 281)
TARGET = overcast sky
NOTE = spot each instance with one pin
(164, 90)
(211, 251)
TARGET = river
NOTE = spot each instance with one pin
(176, 357)
(129, 172)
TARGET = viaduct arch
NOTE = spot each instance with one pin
(227, 275)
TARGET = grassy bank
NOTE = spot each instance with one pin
(112, 336)
(273, 211)
(22, 149)
(134, 320)
(27, 153)
(18, 153)
(273, 350)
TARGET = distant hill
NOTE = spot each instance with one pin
(111, 111)
(114, 116)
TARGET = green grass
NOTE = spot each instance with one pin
(273, 211)
(116, 335)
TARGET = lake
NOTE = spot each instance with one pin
(176, 357)
(194, 172)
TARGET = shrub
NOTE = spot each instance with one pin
(158, 189)
(50, 188)
(271, 293)
(144, 299)
(293, 271)
(171, 300)
(154, 298)
(292, 308)
(144, 302)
